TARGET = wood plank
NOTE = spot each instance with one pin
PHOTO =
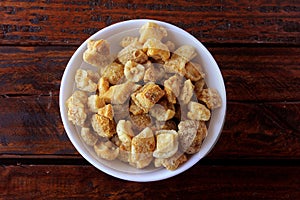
(31, 125)
(207, 182)
(248, 72)
(71, 22)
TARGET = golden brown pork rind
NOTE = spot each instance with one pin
(198, 111)
(86, 80)
(114, 73)
(106, 150)
(152, 30)
(103, 126)
(156, 49)
(166, 143)
(210, 97)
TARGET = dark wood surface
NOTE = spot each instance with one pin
(256, 45)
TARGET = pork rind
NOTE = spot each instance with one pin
(163, 110)
(95, 102)
(179, 58)
(141, 121)
(76, 108)
(127, 41)
(156, 49)
(106, 150)
(171, 163)
(97, 53)
(187, 92)
(187, 131)
(125, 134)
(172, 87)
(198, 139)
(166, 143)
(210, 97)
(133, 71)
(86, 80)
(152, 30)
(198, 111)
(142, 147)
(107, 111)
(153, 73)
(147, 96)
(103, 86)
(132, 52)
(114, 73)
(103, 126)
(194, 71)
(88, 137)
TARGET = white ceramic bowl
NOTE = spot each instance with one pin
(117, 168)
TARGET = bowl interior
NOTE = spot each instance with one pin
(113, 34)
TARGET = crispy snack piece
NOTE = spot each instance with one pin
(153, 72)
(114, 73)
(152, 30)
(198, 140)
(142, 147)
(187, 92)
(194, 71)
(134, 71)
(199, 85)
(97, 53)
(103, 126)
(172, 87)
(210, 97)
(118, 94)
(95, 102)
(198, 111)
(76, 108)
(134, 109)
(176, 64)
(156, 49)
(86, 80)
(103, 86)
(106, 150)
(171, 163)
(147, 96)
(107, 111)
(170, 45)
(166, 143)
(125, 134)
(88, 137)
(132, 52)
(187, 131)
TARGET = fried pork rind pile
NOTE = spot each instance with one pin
(148, 104)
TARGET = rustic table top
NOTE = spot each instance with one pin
(256, 45)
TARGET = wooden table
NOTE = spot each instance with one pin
(256, 44)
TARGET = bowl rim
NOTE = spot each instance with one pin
(153, 176)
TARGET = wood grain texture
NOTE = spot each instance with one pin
(205, 182)
(248, 72)
(31, 125)
(71, 22)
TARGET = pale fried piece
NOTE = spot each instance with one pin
(134, 109)
(198, 111)
(211, 98)
(156, 49)
(133, 71)
(147, 96)
(125, 134)
(199, 85)
(177, 62)
(172, 87)
(132, 52)
(186, 92)
(127, 41)
(198, 140)
(170, 45)
(187, 131)
(142, 147)
(118, 94)
(166, 143)
(106, 111)
(124, 127)
(153, 73)
(124, 153)
(114, 73)
(193, 71)
(106, 150)
(95, 102)
(152, 30)
(173, 162)
(163, 111)
(103, 86)
(139, 122)
(97, 53)
(76, 109)
(103, 126)
(77, 97)
(84, 80)
(88, 137)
